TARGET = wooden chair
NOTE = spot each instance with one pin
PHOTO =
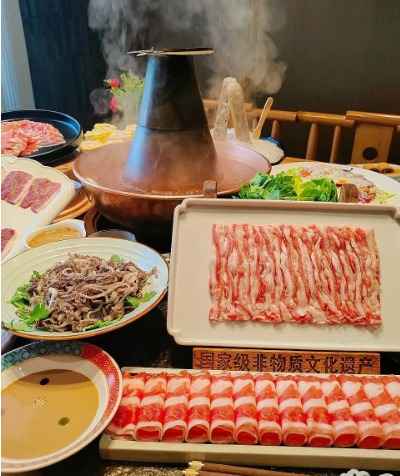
(372, 137)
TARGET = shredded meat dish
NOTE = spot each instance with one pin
(84, 290)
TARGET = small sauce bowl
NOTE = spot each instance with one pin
(63, 230)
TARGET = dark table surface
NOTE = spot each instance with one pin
(146, 343)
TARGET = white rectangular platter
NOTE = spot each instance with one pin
(300, 457)
(189, 298)
(25, 220)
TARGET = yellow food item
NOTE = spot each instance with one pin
(381, 167)
(90, 144)
(50, 236)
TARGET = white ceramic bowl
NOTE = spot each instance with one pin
(78, 225)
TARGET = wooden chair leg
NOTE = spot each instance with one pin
(337, 135)
(276, 130)
(312, 143)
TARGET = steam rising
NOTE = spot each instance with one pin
(238, 30)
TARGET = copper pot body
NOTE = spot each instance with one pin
(101, 173)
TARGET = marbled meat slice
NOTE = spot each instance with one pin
(123, 424)
(26, 137)
(385, 410)
(293, 419)
(176, 408)
(346, 432)
(8, 236)
(40, 193)
(290, 273)
(269, 426)
(199, 409)
(150, 420)
(317, 416)
(222, 426)
(245, 406)
(15, 185)
(371, 432)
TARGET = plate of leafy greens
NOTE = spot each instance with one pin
(319, 182)
(80, 288)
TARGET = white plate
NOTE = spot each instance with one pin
(247, 455)
(80, 357)
(25, 220)
(380, 180)
(18, 270)
(189, 299)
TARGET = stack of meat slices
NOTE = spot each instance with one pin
(247, 409)
(23, 138)
(22, 189)
(323, 275)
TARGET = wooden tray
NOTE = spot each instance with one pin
(256, 455)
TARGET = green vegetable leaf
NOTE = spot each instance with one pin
(100, 324)
(21, 297)
(38, 312)
(117, 259)
(289, 186)
(136, 302)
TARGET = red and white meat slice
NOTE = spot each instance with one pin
(245, 406)
(222, 427)
(346, 432)
(293, 419)
(40, 193)
(199, 409)
(392, 385)
(26, 137)
(123, 424)
(317, 417)
(150, 420)
(371, 432)
(292, 273)
(8, 236)
(176, 408)
(15, 185)
(385, 410)
(269, 427)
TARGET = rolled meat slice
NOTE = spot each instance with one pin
(346, 432)
(245, 406)
(176, 408)
(268, 417)
(385, 410)
(222, 426)
(317, 417)
(293, 420)
(123, 424)
(150, 420)
(199, 409)
(392, 385)
(371, 433)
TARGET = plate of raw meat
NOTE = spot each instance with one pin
(285, 275)
(46, 136)
(32, 195)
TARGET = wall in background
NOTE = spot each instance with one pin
(64, 56)
(341, 55)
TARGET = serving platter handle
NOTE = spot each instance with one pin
(210, 189)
